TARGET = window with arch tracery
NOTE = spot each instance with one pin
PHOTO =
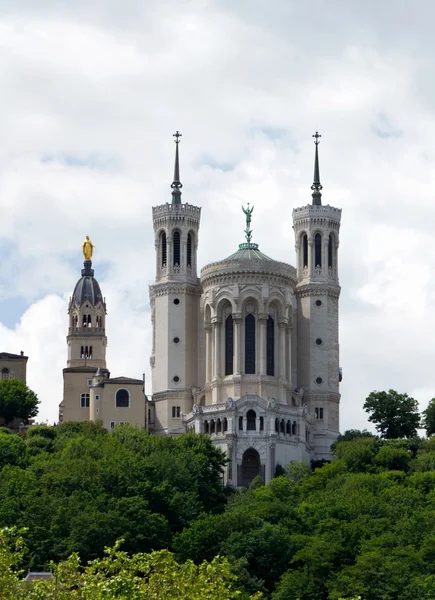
(122, 399)
(250, 344)
(163, 248)
(189, 250)
(229, 345)
(317, 250)
(305, 250)
(5, 374)
(270, 343)
(176, 248)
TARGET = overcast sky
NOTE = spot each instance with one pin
(91, 93)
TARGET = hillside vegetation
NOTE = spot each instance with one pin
(361, 525)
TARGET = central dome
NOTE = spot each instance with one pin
(87, 288)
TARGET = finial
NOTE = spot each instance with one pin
(176, 185)
(317, 186)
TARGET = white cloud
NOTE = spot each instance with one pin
(91, 93)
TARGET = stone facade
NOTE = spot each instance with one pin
(13, 366)
(249, 352)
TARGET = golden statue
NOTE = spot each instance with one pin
(88, 248)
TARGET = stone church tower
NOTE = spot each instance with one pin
(175, 311)
(317, 231)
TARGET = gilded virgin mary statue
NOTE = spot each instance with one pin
(87, 248)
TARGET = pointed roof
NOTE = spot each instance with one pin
(317, 186)
(176, 185)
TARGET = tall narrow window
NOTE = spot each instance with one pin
(330, 248)
(84, 400)
(189, 249)
(176, 248)
(229, 345)
(251, 419)
(89, 321)
(250, 344)
(270, 346)
(305, 250)
(317, 250)
(163, 248)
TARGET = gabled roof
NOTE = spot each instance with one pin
(9, 356)
(124, 380)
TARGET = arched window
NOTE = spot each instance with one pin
(261, 423)
(89, 321)
(294, 428)
(229, 345)
(282, 426)
(5, 373)
(305, 250)
(317, 250)
(189, 249)
(212, 426)
(176, 248)
(240, 423)
(163, 248)
(86, 352)
(218, 426)
(90, 351)
(250, 420)
(288, 428)
(122, 399)
(205, 426)
(330, 249)
(249, 344)
(85, 321)
(82, 352)
(225, 424)
(270, 346)
(277, 425)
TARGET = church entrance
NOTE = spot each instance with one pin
(250, 467)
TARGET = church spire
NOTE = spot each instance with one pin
(317, 186)
(176, 185)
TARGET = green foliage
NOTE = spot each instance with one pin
(17, 401)
(428, 421)
(12, 450)
(361, 525)
(395, 415)
(116, 576)
(81, 489)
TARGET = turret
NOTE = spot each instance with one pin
(317, 228)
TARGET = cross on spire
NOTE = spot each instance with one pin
(317, 137)
(176, 184)
(317, 186)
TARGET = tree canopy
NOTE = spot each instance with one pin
(17, 401)
(395, 415)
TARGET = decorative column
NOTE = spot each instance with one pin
(208, 353)
(310, 257)
(237, 358)
(325, 255)
(289, 353)
(262, 319)
(217, 347)
(282, 348)
(271, 462)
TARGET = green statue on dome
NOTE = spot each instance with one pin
(248, 231)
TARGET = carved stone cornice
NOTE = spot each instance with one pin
(310, 289)
(224, 273)
(164, 289)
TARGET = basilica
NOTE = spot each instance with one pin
(248, 352)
